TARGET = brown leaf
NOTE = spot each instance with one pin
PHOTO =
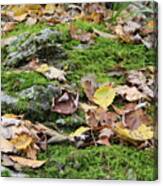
(99, 118)
(5, 145)
(79, 35)
(9, 26)
(31, 152)
(105, 135)
(89, 85)
(129, 93)
(27, 162)
(67, 103)
(135, 118)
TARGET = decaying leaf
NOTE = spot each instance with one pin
(51, 72)
(49, 9)
(22, 141)
(67, 103)
(129, 93)
(27, 162)
(142, 133)
(104, 96)
(89, 85)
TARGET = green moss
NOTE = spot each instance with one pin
(5, 173)
(13, 81)
(22, 27)
(105, 55)
(115, 162)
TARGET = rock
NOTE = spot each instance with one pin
(45, 45)
(40, 101)
(34, 102)
(8, 102)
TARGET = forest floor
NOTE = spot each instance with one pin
(28, 92)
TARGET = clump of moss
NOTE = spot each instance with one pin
(13, 81)
(115, 162)
(5, 173)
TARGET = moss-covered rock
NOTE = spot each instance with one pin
(43, 45)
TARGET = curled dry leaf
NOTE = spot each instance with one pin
(67, 103)
(89, 85)
(104, 96)
(24, 162)
(142, 133)
(51, 72)
(129, 93)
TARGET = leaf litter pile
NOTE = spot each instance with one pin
(114, 114)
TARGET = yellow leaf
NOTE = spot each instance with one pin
(43, 68)
(79, 131)
(140, 134)
(27, 162)
(104, 96)
(49, 9)
(22, 141)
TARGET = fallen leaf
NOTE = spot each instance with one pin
(79, 132)
(87, 107)
(130, 27)
(49, 9)
(51, 72)
(104, 96)
(138, 78)
(142, 133)
(27, 162)
(22, 141)
(31, 21)
(135, 118)
(89, 85)
(5, 145)
(67, 103)
(79, 35)
(21, 17)
(104, 136)
(31, 152)
(129, 93)
(100, 118)
(104, 34)
(9, 26)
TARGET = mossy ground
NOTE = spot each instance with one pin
(65, 161)
(114, 162)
